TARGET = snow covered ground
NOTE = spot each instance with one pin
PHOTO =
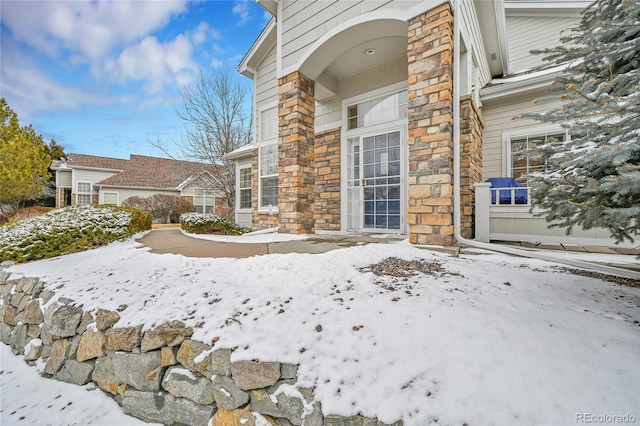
(484, 339)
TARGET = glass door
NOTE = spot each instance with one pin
(381, 173)
(374, 183)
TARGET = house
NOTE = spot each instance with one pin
(366, 114)
(88, 179)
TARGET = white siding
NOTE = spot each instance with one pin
(266, 81)
(517, 224)
(328, 112)
(93, 176)
(498, 118)
(471, 28)
(526, 33)
(64, 179)
(304, 21)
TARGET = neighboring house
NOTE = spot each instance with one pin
(87, 179)
(357, 119)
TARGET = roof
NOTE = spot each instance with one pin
(107, 163)
(258, 50)
(152, 172)
(243, 151)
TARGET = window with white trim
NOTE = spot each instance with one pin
(203, 200)
(269, 124)
(268, 159)
(110, 198)
(244, 187)
(84, 193)
(378, 110)
(520, 158)
(269, 176)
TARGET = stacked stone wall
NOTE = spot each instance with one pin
(158, 375)
(296, 116)
(327, 180)
(430, 115)
(471, 127)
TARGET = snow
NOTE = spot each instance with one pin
(28, 399)
(493, 340)
(271, 237)
(179, 372)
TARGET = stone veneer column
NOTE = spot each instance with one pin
(327, 180)
(471, 162)
(430, 112)
(296, 115)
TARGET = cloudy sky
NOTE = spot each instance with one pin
(104, 77)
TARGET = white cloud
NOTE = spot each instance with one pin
(90, 29)
(155, 63)
(29, 90)
(241, 8)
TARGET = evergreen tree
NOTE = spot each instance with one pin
(24, 160)
(593, 179)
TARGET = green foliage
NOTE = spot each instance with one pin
(164, 208)
(56, 151)
(69, 230)
(198, 223)
(593, 180)
(24, 159)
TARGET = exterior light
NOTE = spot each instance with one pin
(370, 51)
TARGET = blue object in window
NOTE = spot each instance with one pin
(505, 196)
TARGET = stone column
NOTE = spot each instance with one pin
(296, 115)
(430, 115)
(327, 180)
(470, 162)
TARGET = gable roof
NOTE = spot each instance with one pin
(152, 172)
(105, 163)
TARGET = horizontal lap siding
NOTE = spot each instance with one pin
(471, 27)
(304, 22)
(498, 118)
(526, 33)
(266, 80)
(93, 176)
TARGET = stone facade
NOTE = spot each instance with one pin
(471, 127)
(160, 375)
(430, 114)
(327, 180)
(296, 115)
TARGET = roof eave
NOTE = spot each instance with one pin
(522, 84)
(258, 50)
(270, 6)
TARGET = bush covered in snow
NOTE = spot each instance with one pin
(198, 223)
(69, 230)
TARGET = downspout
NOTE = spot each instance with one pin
(456, 180)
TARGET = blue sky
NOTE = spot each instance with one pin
(104, 77)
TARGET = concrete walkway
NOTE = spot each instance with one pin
(172, 240)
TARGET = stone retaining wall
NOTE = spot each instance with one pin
(158, 375)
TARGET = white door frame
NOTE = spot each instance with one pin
(400, 125)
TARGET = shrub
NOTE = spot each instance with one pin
(198, 223)
(69, 230)
(164, 208)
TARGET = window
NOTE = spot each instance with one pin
(203, 200)
(268, 124)
(269, 176)
(522, 158)
(244, 188)
(378, 110)
(268, 159)
(110, 198)
(85, 193)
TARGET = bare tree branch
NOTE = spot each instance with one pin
(213, 108)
